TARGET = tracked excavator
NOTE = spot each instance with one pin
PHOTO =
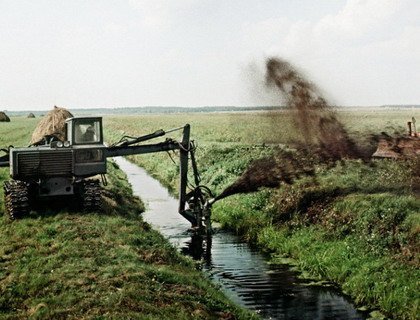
(68, 167)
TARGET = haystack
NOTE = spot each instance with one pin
(53, 124)
(31, 115)
(4, 117)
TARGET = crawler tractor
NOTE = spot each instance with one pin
(65, 168)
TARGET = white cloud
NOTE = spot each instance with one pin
(262, 33)
(160, 14)
(362, 54)
(116, 28)
(359, 22)
(358, 18)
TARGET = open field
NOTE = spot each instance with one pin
(60, 263)
(356, 224)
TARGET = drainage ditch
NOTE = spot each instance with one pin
(242, 272)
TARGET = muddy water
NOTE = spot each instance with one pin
(274, 292)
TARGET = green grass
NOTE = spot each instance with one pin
(355, 224)
(371, 278)
(60, 263)
(364, 237)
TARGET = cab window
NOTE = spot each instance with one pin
(87, 131)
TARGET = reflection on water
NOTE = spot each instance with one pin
(243, 273)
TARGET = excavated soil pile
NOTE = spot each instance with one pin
(399, 147)
(4, 117)
(324, 135)
(53, 124)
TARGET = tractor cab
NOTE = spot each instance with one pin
(84, 130)
(85, 136)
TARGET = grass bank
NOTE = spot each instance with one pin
(354, 224)
(60, 263)
(363, 237)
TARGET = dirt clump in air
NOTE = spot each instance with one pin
(314, 118)
(325, 137)
(270, 172)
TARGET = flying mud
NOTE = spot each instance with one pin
(325, 137)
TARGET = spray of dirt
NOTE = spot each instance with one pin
(269, 172)
(324, 135)
(315, 119)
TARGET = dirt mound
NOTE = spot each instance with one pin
(399, 147)
(4, 117)
(31, 115)
(53, 124)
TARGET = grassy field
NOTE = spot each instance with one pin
(356, 224)
(59, 263)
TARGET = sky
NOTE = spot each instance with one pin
(130, 53)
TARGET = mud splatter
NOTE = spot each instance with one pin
(314, 118)
(269, 172)
(325, 136)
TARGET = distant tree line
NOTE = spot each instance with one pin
(154, 109)
(177, 109)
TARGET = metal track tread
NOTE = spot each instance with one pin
(16, 198)
(91, 196)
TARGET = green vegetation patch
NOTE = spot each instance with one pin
(356, 224)
(364, 237)
(371, 278)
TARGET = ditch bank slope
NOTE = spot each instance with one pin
(60, 263)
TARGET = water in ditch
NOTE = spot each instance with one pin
(243, 273)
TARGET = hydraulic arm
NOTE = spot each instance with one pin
(193, 205)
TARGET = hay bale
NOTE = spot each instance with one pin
(4, 117)
(53, 124)
(31, 115)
